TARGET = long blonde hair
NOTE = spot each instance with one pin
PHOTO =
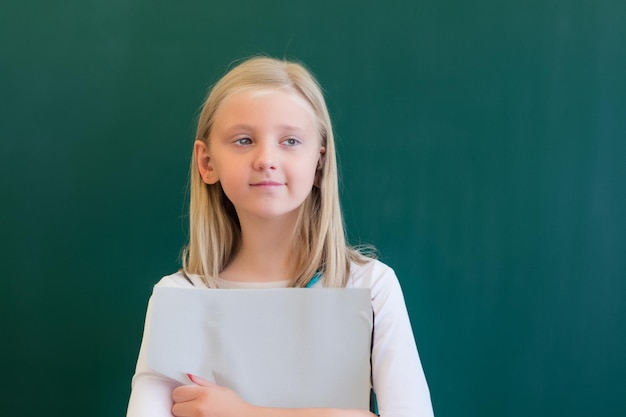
(214, 230)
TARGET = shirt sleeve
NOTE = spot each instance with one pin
(397, 374)
(151, 392)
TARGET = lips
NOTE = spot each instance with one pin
(266, 184)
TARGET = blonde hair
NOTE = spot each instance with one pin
(214, 230)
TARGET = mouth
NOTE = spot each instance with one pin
(266, 184)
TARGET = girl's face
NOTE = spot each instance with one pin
(264, 149)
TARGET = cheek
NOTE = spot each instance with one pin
(231, 179)
(306, 172)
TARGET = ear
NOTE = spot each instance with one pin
(322, 158)
(204, 163)
(320, 166)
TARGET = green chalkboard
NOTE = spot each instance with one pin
(482, 148)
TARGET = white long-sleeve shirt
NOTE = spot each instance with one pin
(398, 378)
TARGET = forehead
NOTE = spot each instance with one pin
(265, 104)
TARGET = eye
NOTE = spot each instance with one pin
(291, 141)
(243, 141)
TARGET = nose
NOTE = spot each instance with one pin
(265, 157)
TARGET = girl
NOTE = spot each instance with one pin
(265, 213)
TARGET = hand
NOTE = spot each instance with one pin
(205, 399)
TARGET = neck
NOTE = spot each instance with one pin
(265, 252)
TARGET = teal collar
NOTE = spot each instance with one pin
(314, 280)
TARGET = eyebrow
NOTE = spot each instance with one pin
(282, 127)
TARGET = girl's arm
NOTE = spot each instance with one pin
(205, 399)
(395, 360)
(151, 393)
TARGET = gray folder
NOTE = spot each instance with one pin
(288, 347)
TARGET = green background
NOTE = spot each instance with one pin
(482, 148)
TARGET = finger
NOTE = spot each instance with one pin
(187, 409)
(199, 381)
(185, 393)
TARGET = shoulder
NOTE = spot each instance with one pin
(372, 274)
(180, 279)
(383, 283)
(375, 275)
